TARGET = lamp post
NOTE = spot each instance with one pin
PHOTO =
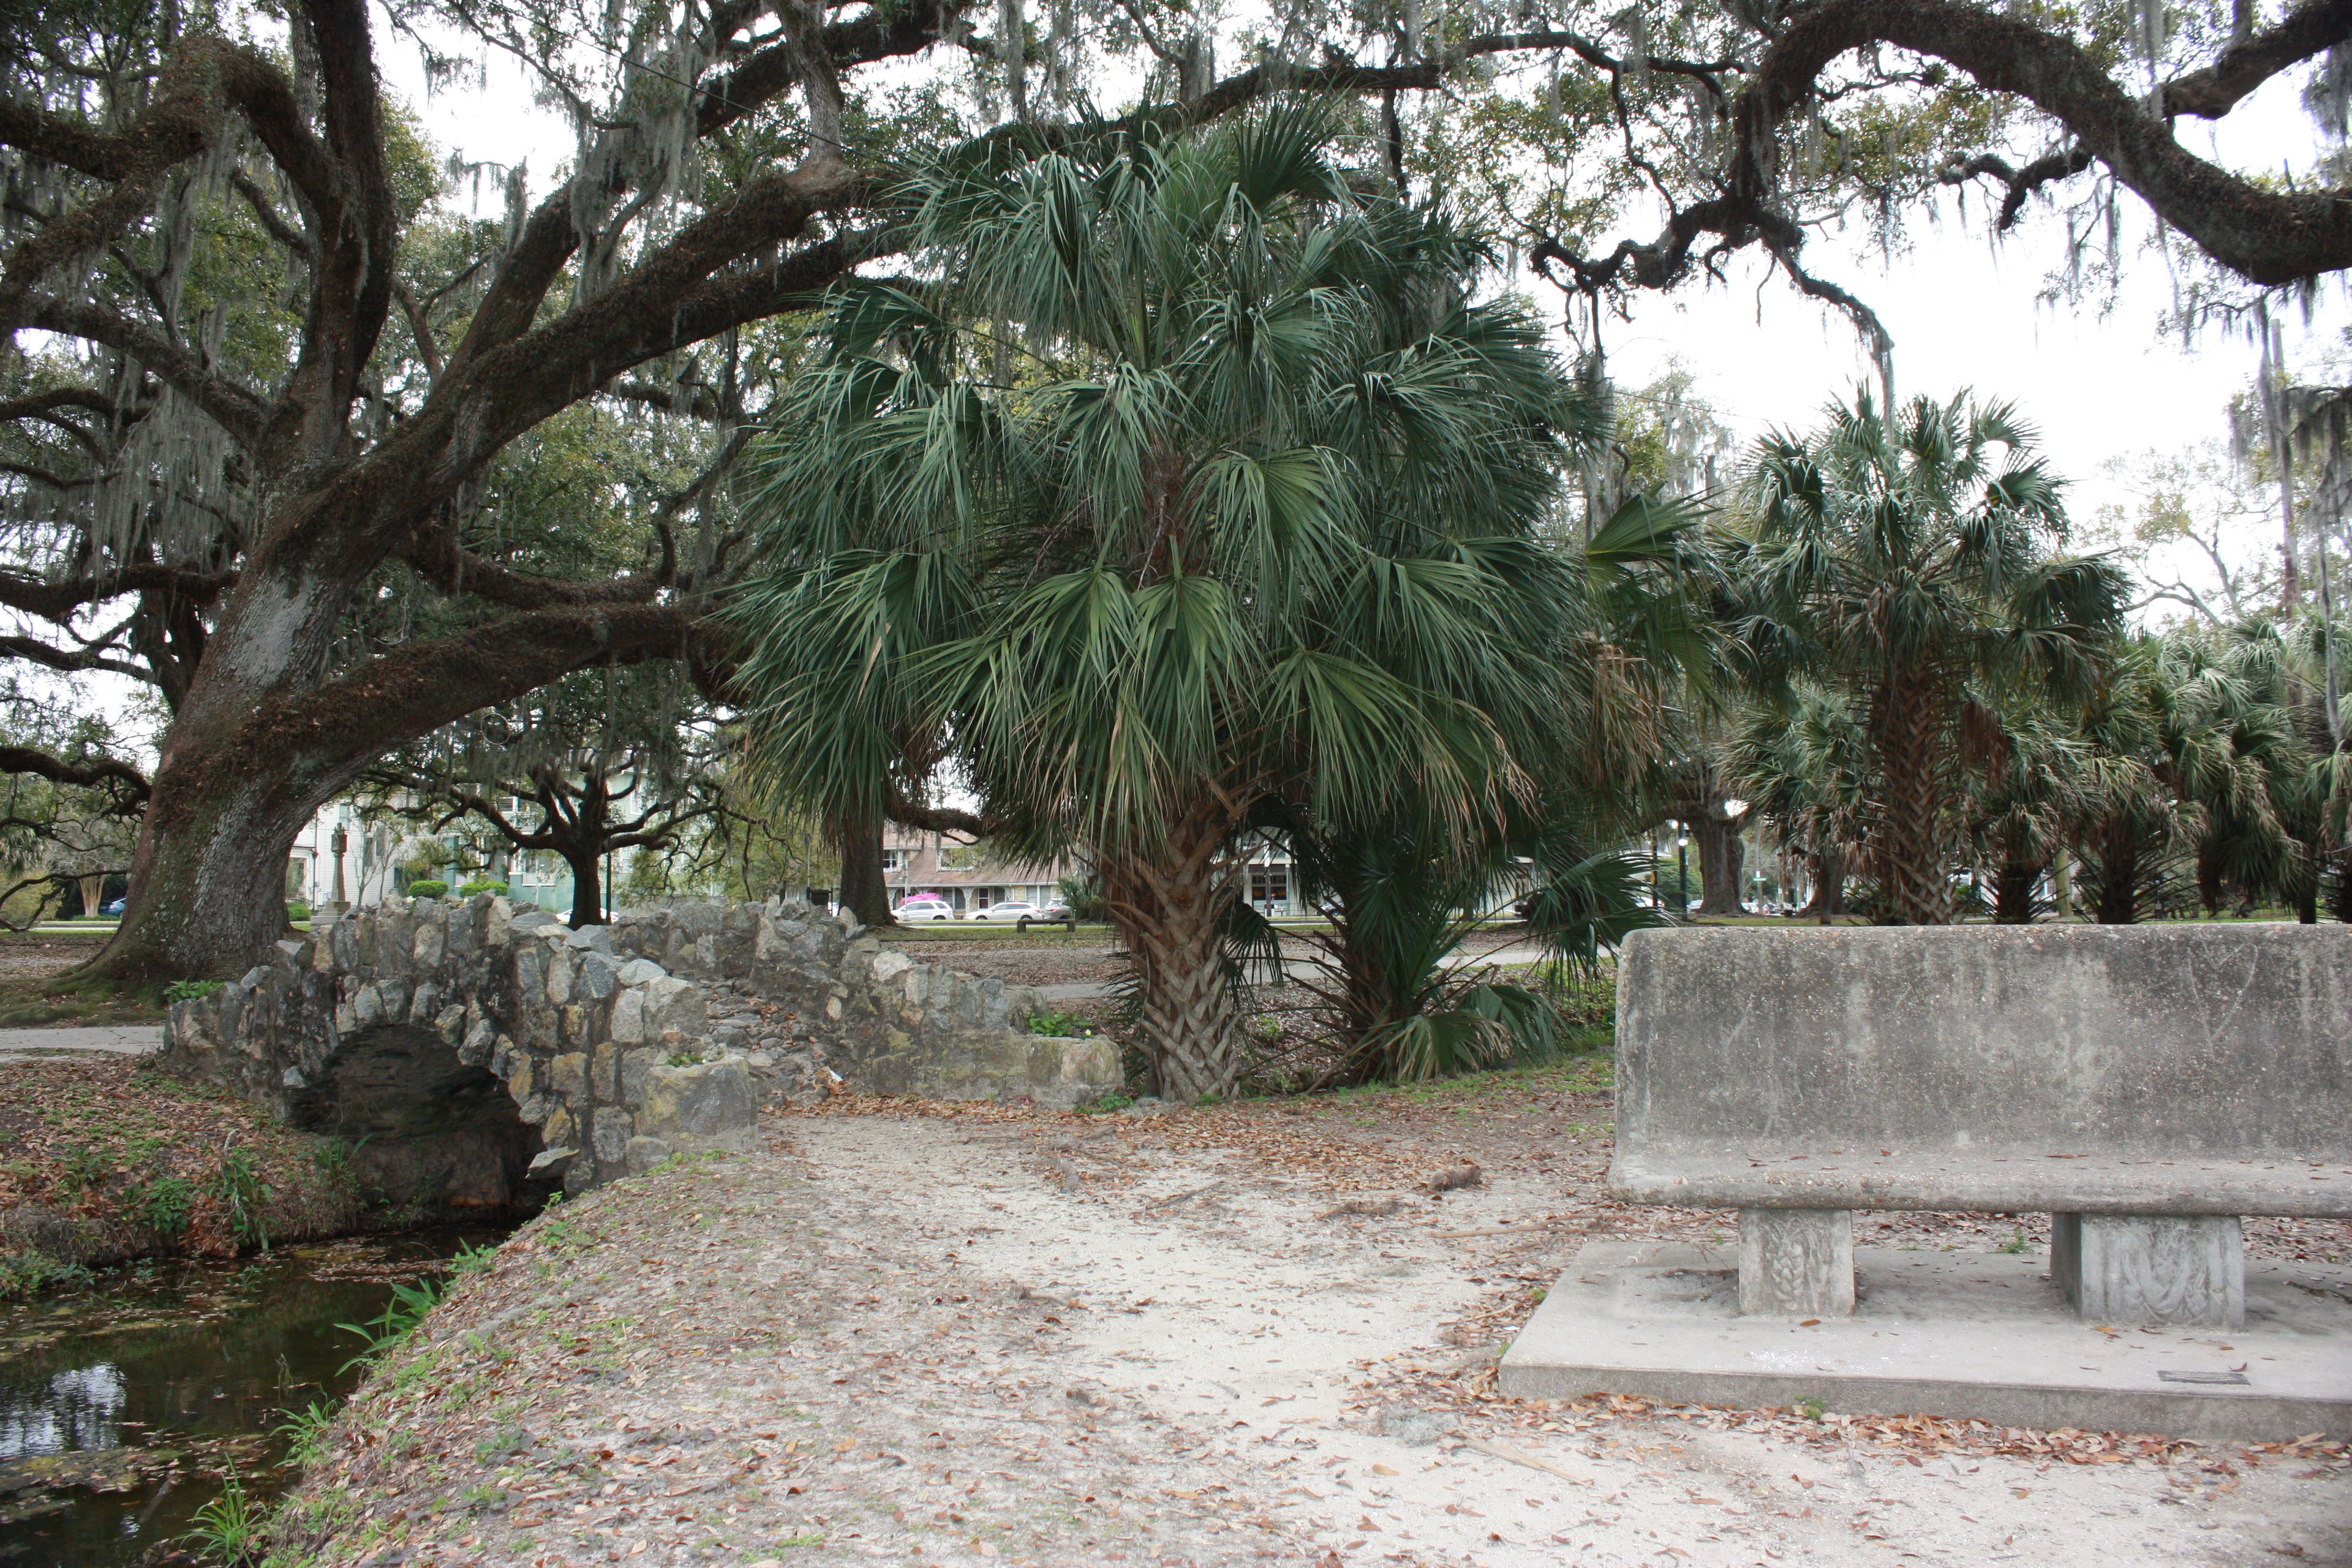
(339, 842)
(1682, 874)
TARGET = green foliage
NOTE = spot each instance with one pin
(304, 1432)
(191, 990)
(428, 887)
(237, 1187)
(411, 1303)
(471, 1259)
(481, 884)
(27, 1273)
(231, 1527)
(162, 1203)
(1202, 477)
(1910, 565)
(1082, 893)
(1105, 1105)
(1062, 1024)
(297, 912)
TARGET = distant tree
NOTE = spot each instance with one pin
(1914, 561)
(585, 768)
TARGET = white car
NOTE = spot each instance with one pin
(1011, 909)
(926, 909)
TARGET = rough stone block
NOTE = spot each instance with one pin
(641, 971)
(1796, 1263)
(675, 1004)
(2151, 1269)
(430, 944)
(644, 1154)
(590, 939)
(549, 1164)
(613, 1130)
(599, 976)
(568, 1076)
(560, 1128)
(634, 1065)
(708, 1106)
(628, 1024)
(604, 1073)
(558, 978)
(571, 1023)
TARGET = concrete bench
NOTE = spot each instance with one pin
(2145, 1086)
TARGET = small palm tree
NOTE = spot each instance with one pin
(1914, 561)
(1803, 763)
(1191, 479)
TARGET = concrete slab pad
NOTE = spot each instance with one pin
(1982, 1336)
(120, 1039)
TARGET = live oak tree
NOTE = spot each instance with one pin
(211, 476)
(594, 764)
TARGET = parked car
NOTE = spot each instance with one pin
(1009, 909)
(923, 907)
(115, 908)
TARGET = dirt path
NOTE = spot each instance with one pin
(1003, 1336)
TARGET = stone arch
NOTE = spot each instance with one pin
(480, 1047)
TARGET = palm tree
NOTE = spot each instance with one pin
(1803, 764)
(1191, 479)
(1913, 561)
(2023, 806)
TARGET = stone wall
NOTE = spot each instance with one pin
(476, 1046)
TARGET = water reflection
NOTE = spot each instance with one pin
(119, 1408)
(79, 1410)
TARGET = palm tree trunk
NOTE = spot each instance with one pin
(1169, 906)
(2115, 884)
(1908, 847)
(863, 891)
(2013, 892)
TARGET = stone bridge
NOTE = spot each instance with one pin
(471, 1048)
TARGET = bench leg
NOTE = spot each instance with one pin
(1796, 1263)
(2151, 1269)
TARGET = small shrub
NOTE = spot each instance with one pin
(25, 1273)
(470, 1259)
(333, 1158)
(408, 1307)
(481, 884)
(304, 1432)
(1062, 1024)
(297, 913)
(428, 888)
(684, 1059)
(162, 1203)
(1105, 1105)
(190, 990)
(85, 1168)
(229, 1529)
(237, 1187)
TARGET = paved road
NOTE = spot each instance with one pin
(118, 1040)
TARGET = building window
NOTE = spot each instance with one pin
(892, 859)
(1269, 884)
(961, 857)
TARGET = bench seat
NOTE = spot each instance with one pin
(2149, 1084)
(1990, 1183)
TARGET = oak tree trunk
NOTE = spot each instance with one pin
(1828, 901)
(1722, 857)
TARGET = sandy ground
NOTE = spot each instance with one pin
(928, 1336)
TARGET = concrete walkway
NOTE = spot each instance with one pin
(115, 1039)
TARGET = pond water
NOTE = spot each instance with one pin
(123, 1405)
